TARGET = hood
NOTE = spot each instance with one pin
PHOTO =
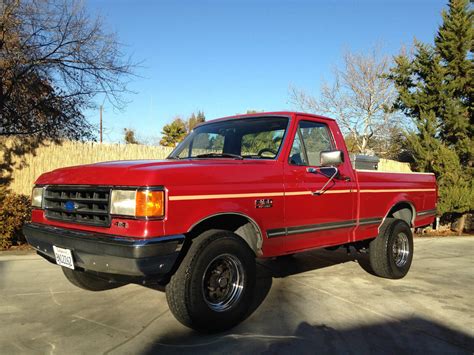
(155, 172)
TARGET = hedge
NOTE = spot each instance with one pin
(15, 210)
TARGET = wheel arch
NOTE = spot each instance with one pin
(404, 210)
(241, 224)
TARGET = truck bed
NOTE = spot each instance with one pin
(380, 191)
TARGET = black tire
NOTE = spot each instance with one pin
(391, 253)
(88, 282)
(201, 299)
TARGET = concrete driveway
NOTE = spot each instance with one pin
(316, 302)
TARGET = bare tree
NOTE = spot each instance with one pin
(54, 59)
(359, 98)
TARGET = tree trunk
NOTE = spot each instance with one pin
(462, 222)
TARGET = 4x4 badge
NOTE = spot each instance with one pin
(264, 203)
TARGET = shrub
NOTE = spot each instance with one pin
(15, 210)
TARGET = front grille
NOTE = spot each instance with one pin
(78, 204)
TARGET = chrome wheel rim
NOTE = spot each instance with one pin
(401, 249)
(223, 282)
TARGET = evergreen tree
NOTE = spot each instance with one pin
(194, 120)
(201, 117)
(435, 89)
(454, 44)
(173, 133)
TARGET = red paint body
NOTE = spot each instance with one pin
(364, 195)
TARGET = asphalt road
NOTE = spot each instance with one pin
(316, 302)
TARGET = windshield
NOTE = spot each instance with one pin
(247, 138)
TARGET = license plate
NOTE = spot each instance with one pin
(63, 257)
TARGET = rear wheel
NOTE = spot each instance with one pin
(213, 287)
(391, 253)
(88, 282)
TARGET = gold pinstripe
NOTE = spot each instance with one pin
(338, 191)
(400, 190)
(392, 172)
(281, 194)
(213, 197)
(298, 193)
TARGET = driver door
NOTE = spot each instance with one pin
(315, 220)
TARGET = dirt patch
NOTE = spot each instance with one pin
(442, 233)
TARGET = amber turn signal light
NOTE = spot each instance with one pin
(150, 203)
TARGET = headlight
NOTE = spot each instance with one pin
(137, 203)
(37, 197)
(123, 202)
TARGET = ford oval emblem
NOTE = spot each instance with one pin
(70, 206)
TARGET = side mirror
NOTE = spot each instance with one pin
(332, 158)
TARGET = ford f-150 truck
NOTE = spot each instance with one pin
(235, 189)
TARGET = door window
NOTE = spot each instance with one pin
(311, 139)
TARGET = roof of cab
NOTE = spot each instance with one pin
(267, 114)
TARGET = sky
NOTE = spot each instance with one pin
(225, 57)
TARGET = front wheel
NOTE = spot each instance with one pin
(391, 253)
(213, 287)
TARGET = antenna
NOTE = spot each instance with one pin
(100, 129)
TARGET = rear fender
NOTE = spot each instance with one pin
(400, 203)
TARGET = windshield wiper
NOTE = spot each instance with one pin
(256, 157)
(220, 155)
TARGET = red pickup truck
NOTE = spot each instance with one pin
(236, 189)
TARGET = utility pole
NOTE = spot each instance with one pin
(101, 124)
